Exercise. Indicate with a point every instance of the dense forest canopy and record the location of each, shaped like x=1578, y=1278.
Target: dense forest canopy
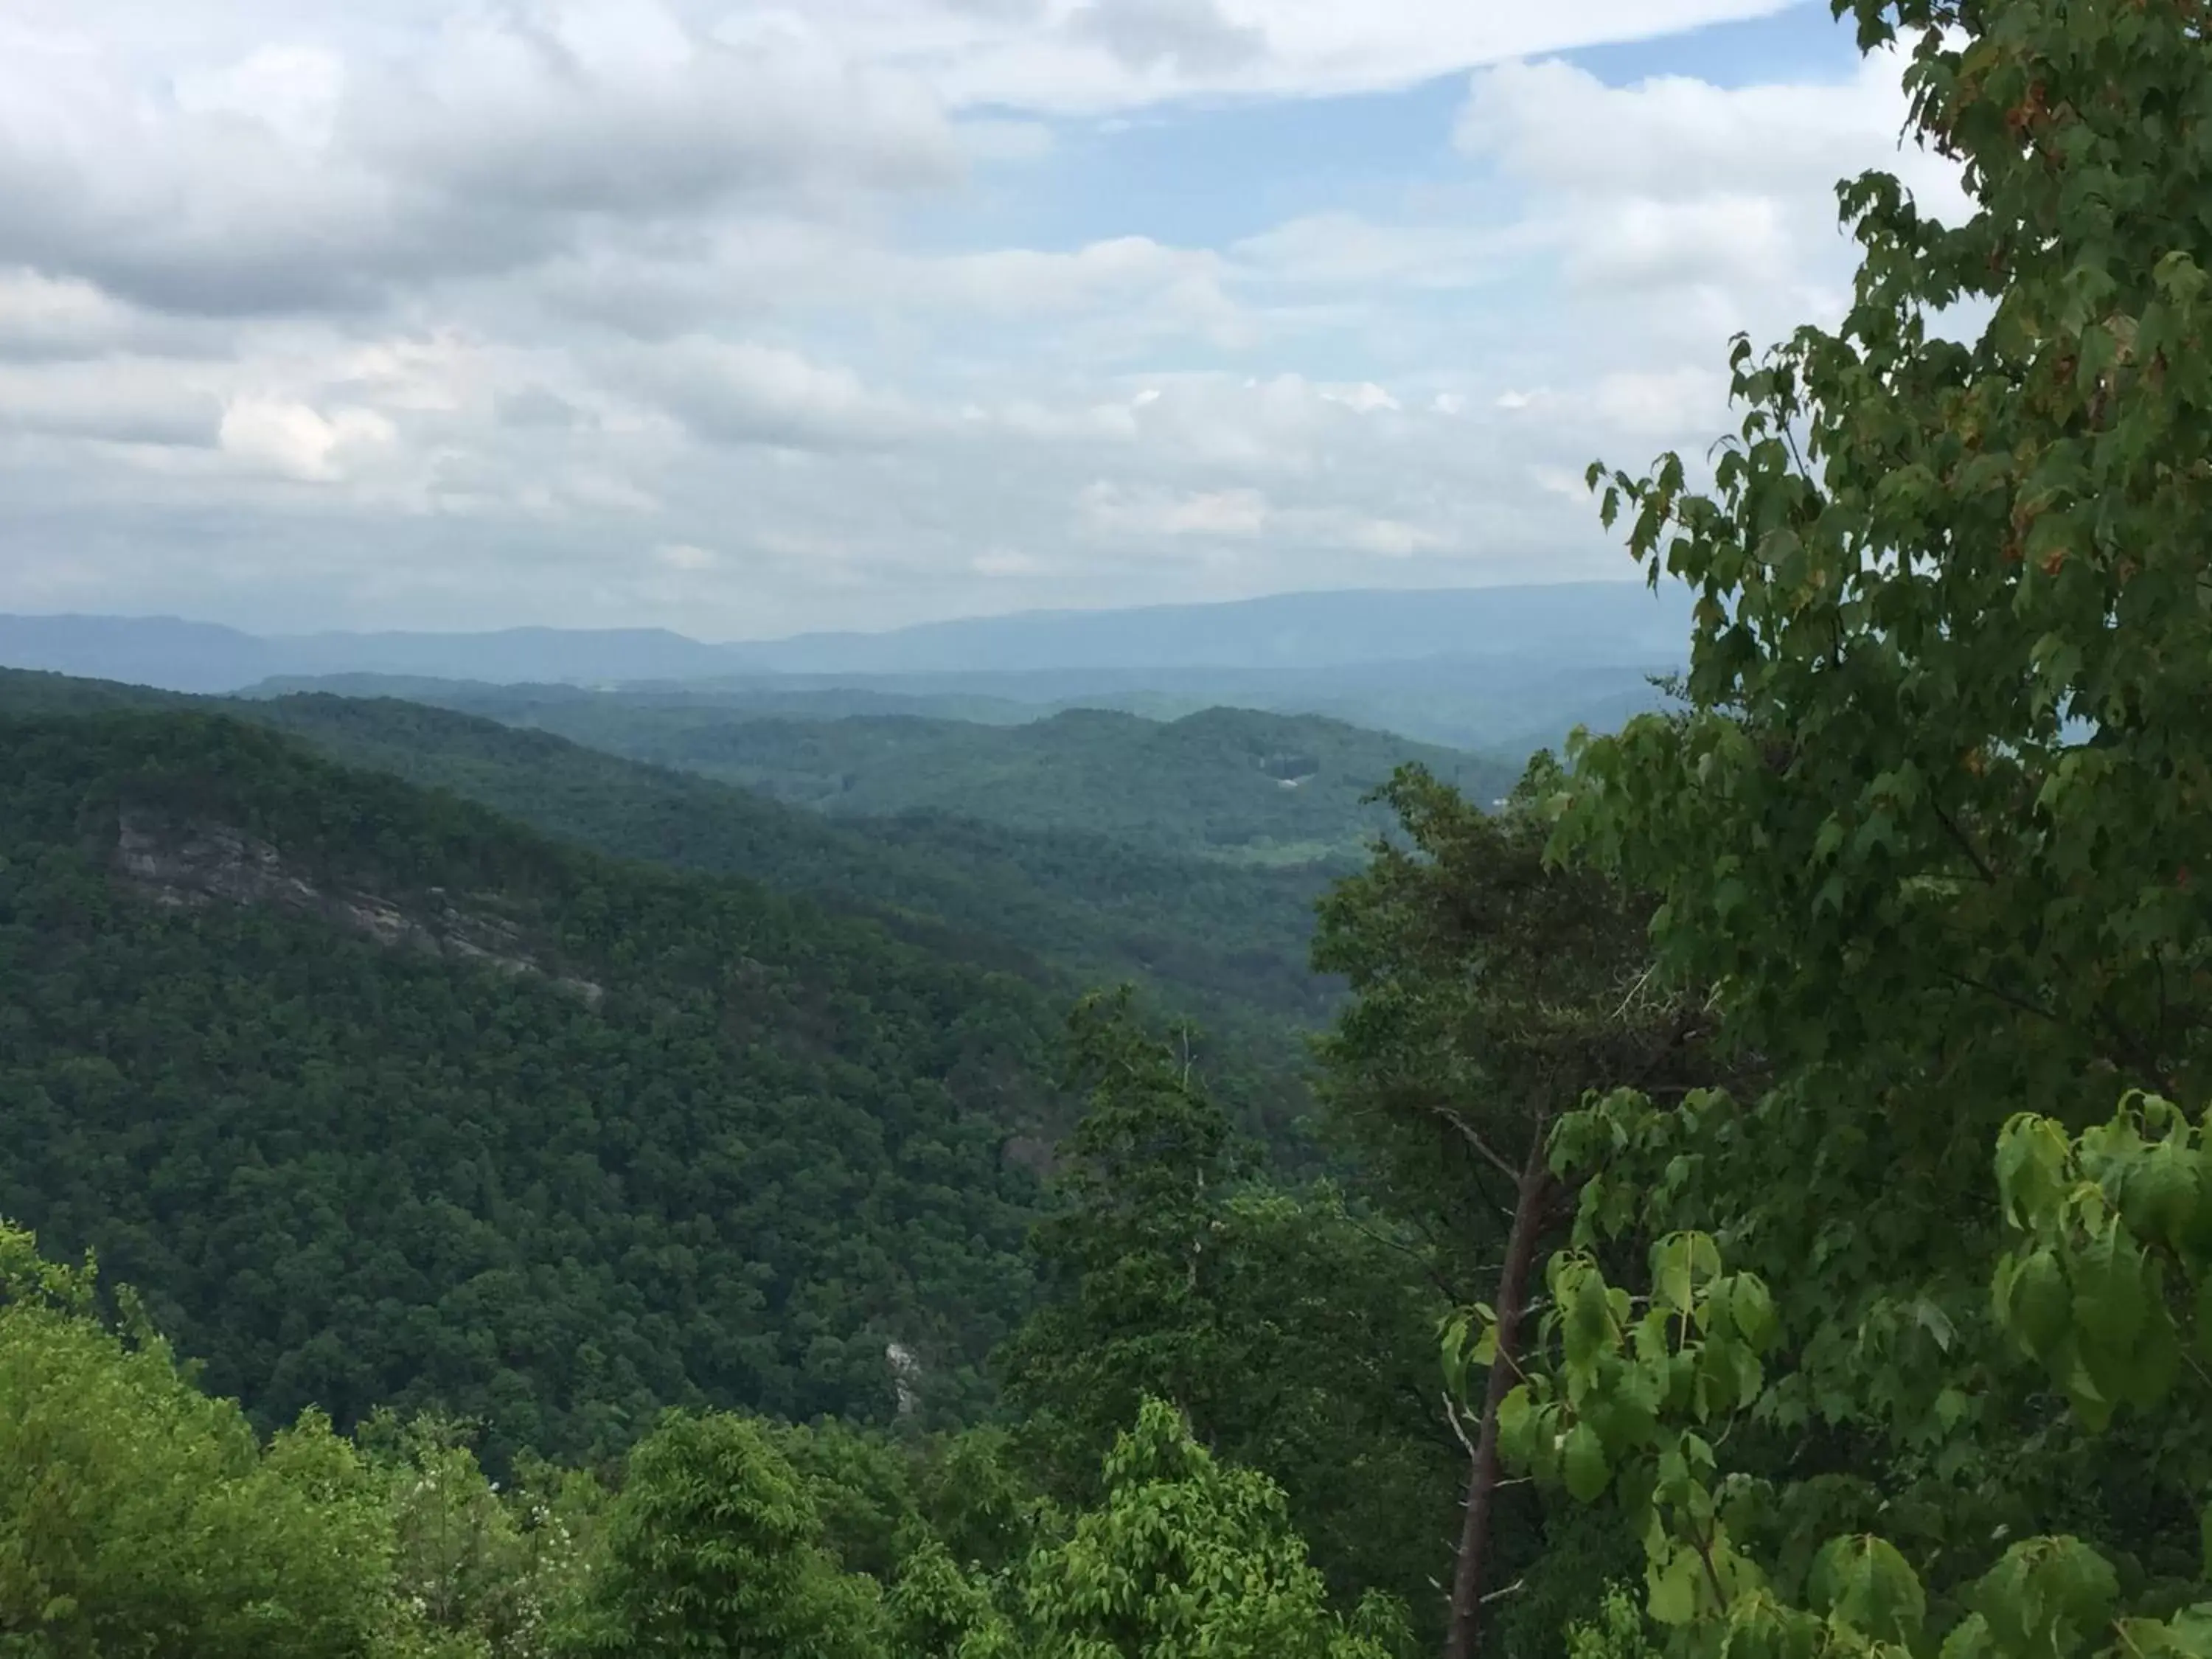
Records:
x=1075, y=908
x=272, y=1048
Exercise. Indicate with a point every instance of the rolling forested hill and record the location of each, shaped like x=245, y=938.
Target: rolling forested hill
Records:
x=748, y=699
x=379, y=1098
x=1227, y=785
x=1225, y=942
x=1505, y=707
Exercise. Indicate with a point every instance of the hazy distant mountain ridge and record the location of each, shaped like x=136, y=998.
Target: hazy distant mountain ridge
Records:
x=1500, y=670
x=1583, y=622
x=1586, y=620
x=165, y=651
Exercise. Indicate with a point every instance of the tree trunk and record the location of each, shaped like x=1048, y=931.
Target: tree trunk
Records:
x=1531, y=1201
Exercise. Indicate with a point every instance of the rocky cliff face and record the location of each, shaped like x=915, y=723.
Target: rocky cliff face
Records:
x=192, y=864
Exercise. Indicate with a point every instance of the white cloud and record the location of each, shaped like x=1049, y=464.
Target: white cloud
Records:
x=67, y=316
x=1393, y=538
x=1120, y=509
x=1027, y=280
x=994, y=141
x=292, y=91
x=1661, y=405
x=1148, y=517
x=1676, y=182
x=620, y=107
x=290, y=178
x=1675, y=137
x=1647, y=243
x=1666, y=215
x=739, y=316
x=1364, y=398
x=1006, y=561
x=293, y=441
x=1345, y=249
x=594, y=491
x=741, y=392
x=109, y=403
x=1100, y=55
x=1558, y=481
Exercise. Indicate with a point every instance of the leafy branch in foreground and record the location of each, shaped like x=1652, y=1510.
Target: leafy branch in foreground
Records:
x=2107, y=1285
x=1934, y=827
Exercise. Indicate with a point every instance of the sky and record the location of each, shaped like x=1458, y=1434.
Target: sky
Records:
x=747, y=318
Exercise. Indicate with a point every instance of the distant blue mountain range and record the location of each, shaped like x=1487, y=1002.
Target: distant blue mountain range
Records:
x=1579, y=622
x=1489, y=667
x=1564, y=624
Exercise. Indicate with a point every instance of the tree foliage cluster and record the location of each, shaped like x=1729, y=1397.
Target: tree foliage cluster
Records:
x=139, y=1515
x=1290, y=1329
x=1895, y=1344
x=360, y=1183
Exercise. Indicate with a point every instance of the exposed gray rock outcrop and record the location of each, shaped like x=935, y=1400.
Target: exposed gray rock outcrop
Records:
x=191, y=864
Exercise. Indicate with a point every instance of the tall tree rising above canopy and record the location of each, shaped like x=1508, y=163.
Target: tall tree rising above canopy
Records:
x=1935, y=828
x=1492, y=990
x=1289, y=1334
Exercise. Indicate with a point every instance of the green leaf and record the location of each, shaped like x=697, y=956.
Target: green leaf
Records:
x=2035, y=1303
x=2111, y=1300
x=2051, y=1596
x=1589, y=1329
x=2159, y=1193
x=2031, y=1156
x=1679, y=1263
x=1584, y=1463
x=1969, y=1638
x=1754, y=1308
x=1864, y=1581
x=2189, y=1632
x=1484, y=1354
x=1673, y=1583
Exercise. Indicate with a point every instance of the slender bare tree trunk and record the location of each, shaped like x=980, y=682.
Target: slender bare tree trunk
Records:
x=1531, y=1202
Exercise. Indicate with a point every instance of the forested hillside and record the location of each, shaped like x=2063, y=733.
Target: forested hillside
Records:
x=1226, y=943
x=379, y=1098
x=1233, y=785
x=772, y=699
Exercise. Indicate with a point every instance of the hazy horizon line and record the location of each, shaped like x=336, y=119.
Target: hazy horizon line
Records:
x=1038, y=611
